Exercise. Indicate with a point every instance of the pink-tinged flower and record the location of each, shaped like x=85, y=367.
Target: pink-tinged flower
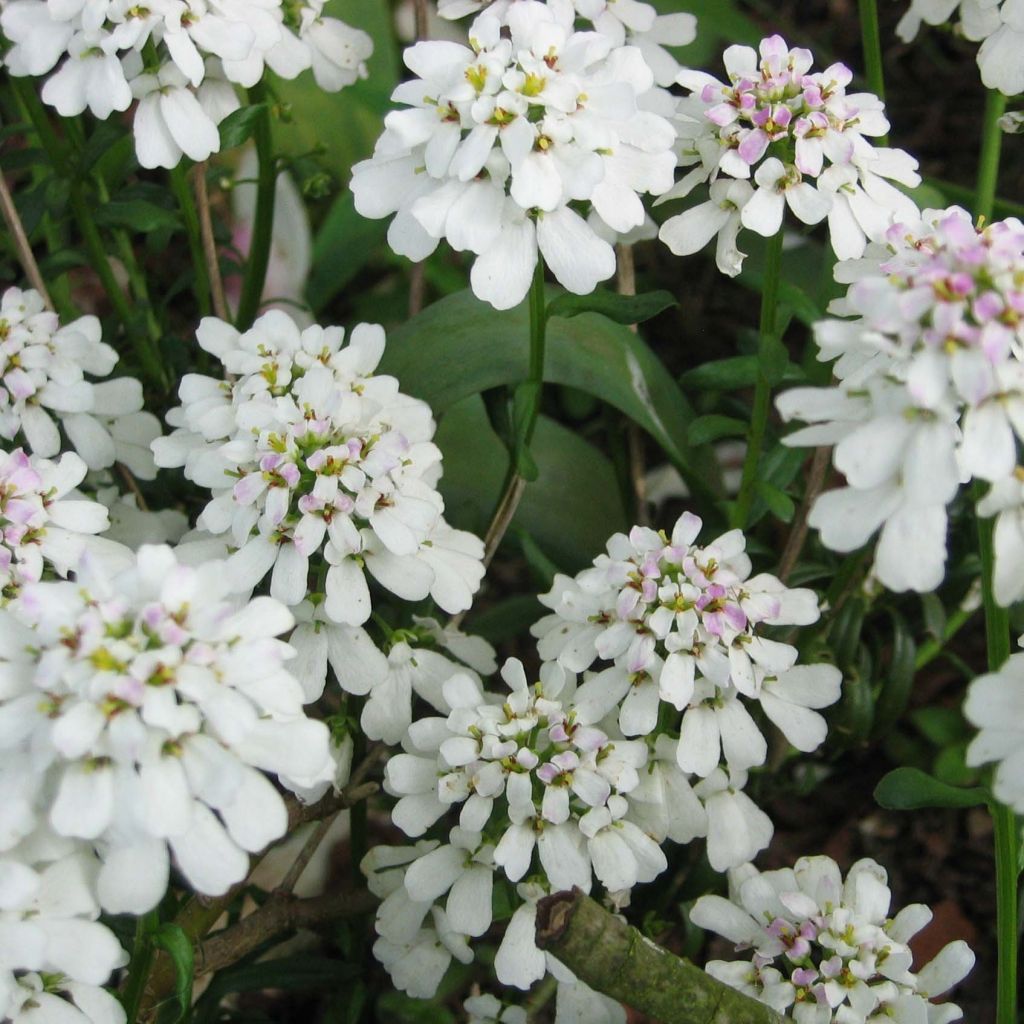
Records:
x=786, y=128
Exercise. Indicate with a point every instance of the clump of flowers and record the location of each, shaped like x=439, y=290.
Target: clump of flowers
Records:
x=661, y=621
x=44, y=388
x=824, y=947
x=931, y=394
x=310, y=455
x=498, y=142
x=778, y=135
x=623, y=21
x=142, y=712
x=997, y=25
x=181, y=61
x=40, y=523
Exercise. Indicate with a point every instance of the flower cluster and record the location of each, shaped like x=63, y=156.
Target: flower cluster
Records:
x=141, y=712
x=54, y=954
x=931, y=394
x=660, y=621
x=306, y=450
x=802, y=139
x=997, y=24
x=825, y=948
x=497, y=140
x=180, y=60
x=44, y=389
x=40, y=523
x=623, y=21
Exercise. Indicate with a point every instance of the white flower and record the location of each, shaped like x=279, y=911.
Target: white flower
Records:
x=825, y=948
x=931, y=394
x=494, y=141
x=991, y=705
x=54, y=953
x=181, y=60
x=44, y=386
x=151, y=705
x=325, y=457
x=486, y=1009
x=43, y=521
x=778, y=123
x=658, y=620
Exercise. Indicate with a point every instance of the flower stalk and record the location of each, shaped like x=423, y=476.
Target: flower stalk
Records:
x=263, y=225
x=871, y=39
x=190, y=216
x=763, y=388
x=988, y=161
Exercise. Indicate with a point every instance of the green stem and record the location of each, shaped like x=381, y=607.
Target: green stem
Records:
x=140, y=965
x=145, y=345
x=988, y=162
x=871, y=39
x=763, y=389
x=538, y=335
x=263, y=225
x=997, y=634
x=190, y=215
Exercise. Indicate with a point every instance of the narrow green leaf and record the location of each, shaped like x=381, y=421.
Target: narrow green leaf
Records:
x=623, y=309
x=237, y=128
x=910, y=789
x=899, y=680
x=705, y=429
x=722, y=375
x=136, y=215
x=779, y=503
x=172, y=939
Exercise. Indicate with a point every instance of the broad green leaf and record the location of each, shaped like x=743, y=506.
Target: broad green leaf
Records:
x=730, y=374
x=938, y=725
x=238, y=127
x=574, y=478
x=623, y=309
x=705, y=429
x=461, y=346
x=172, y=939
x=779, y=503
x=910, y=789
x=343, y=246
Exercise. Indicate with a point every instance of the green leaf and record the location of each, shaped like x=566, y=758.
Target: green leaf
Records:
x=940, y=726
x=899, y=680
x=910, y=789
x=172, y=939
x=461, y=346
x=705, y=429
x=137, y=215
x=402, y=1009
x=623, y=309
x=779, y=503
x=730, y=374
x=343, y=246
x=238, y=127
x=774, y=360
x=573, y=478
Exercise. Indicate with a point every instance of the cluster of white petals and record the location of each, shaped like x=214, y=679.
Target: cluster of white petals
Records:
x=54, y=953
x=623, y=21
x=778, y=135
x=141, y=711
x=825, y=948
x=497, y=141
x=661, y=621
x=44, y=389
x=181, y=59
x=993, y=705
x=309, y=454
x=42, y=521
x=930, y=395
x=997, y=24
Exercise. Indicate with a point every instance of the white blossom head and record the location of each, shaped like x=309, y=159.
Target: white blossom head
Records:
x=824, y=948
x=311, y=455
x=45, y=388
x=181, y=63
x=146, y=711
x=931, y=394
x=779, y=135
x=495, y=140
x=992, y=705
x=659, y=620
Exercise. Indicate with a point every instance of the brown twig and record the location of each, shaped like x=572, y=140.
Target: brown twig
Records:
x=422, y=15
x=608, y=955
x=309, y=848
x=133, y=485
x=798, y=533
x=220, y=304
x=299, y=814
x=282, y=913
x=26, y=257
